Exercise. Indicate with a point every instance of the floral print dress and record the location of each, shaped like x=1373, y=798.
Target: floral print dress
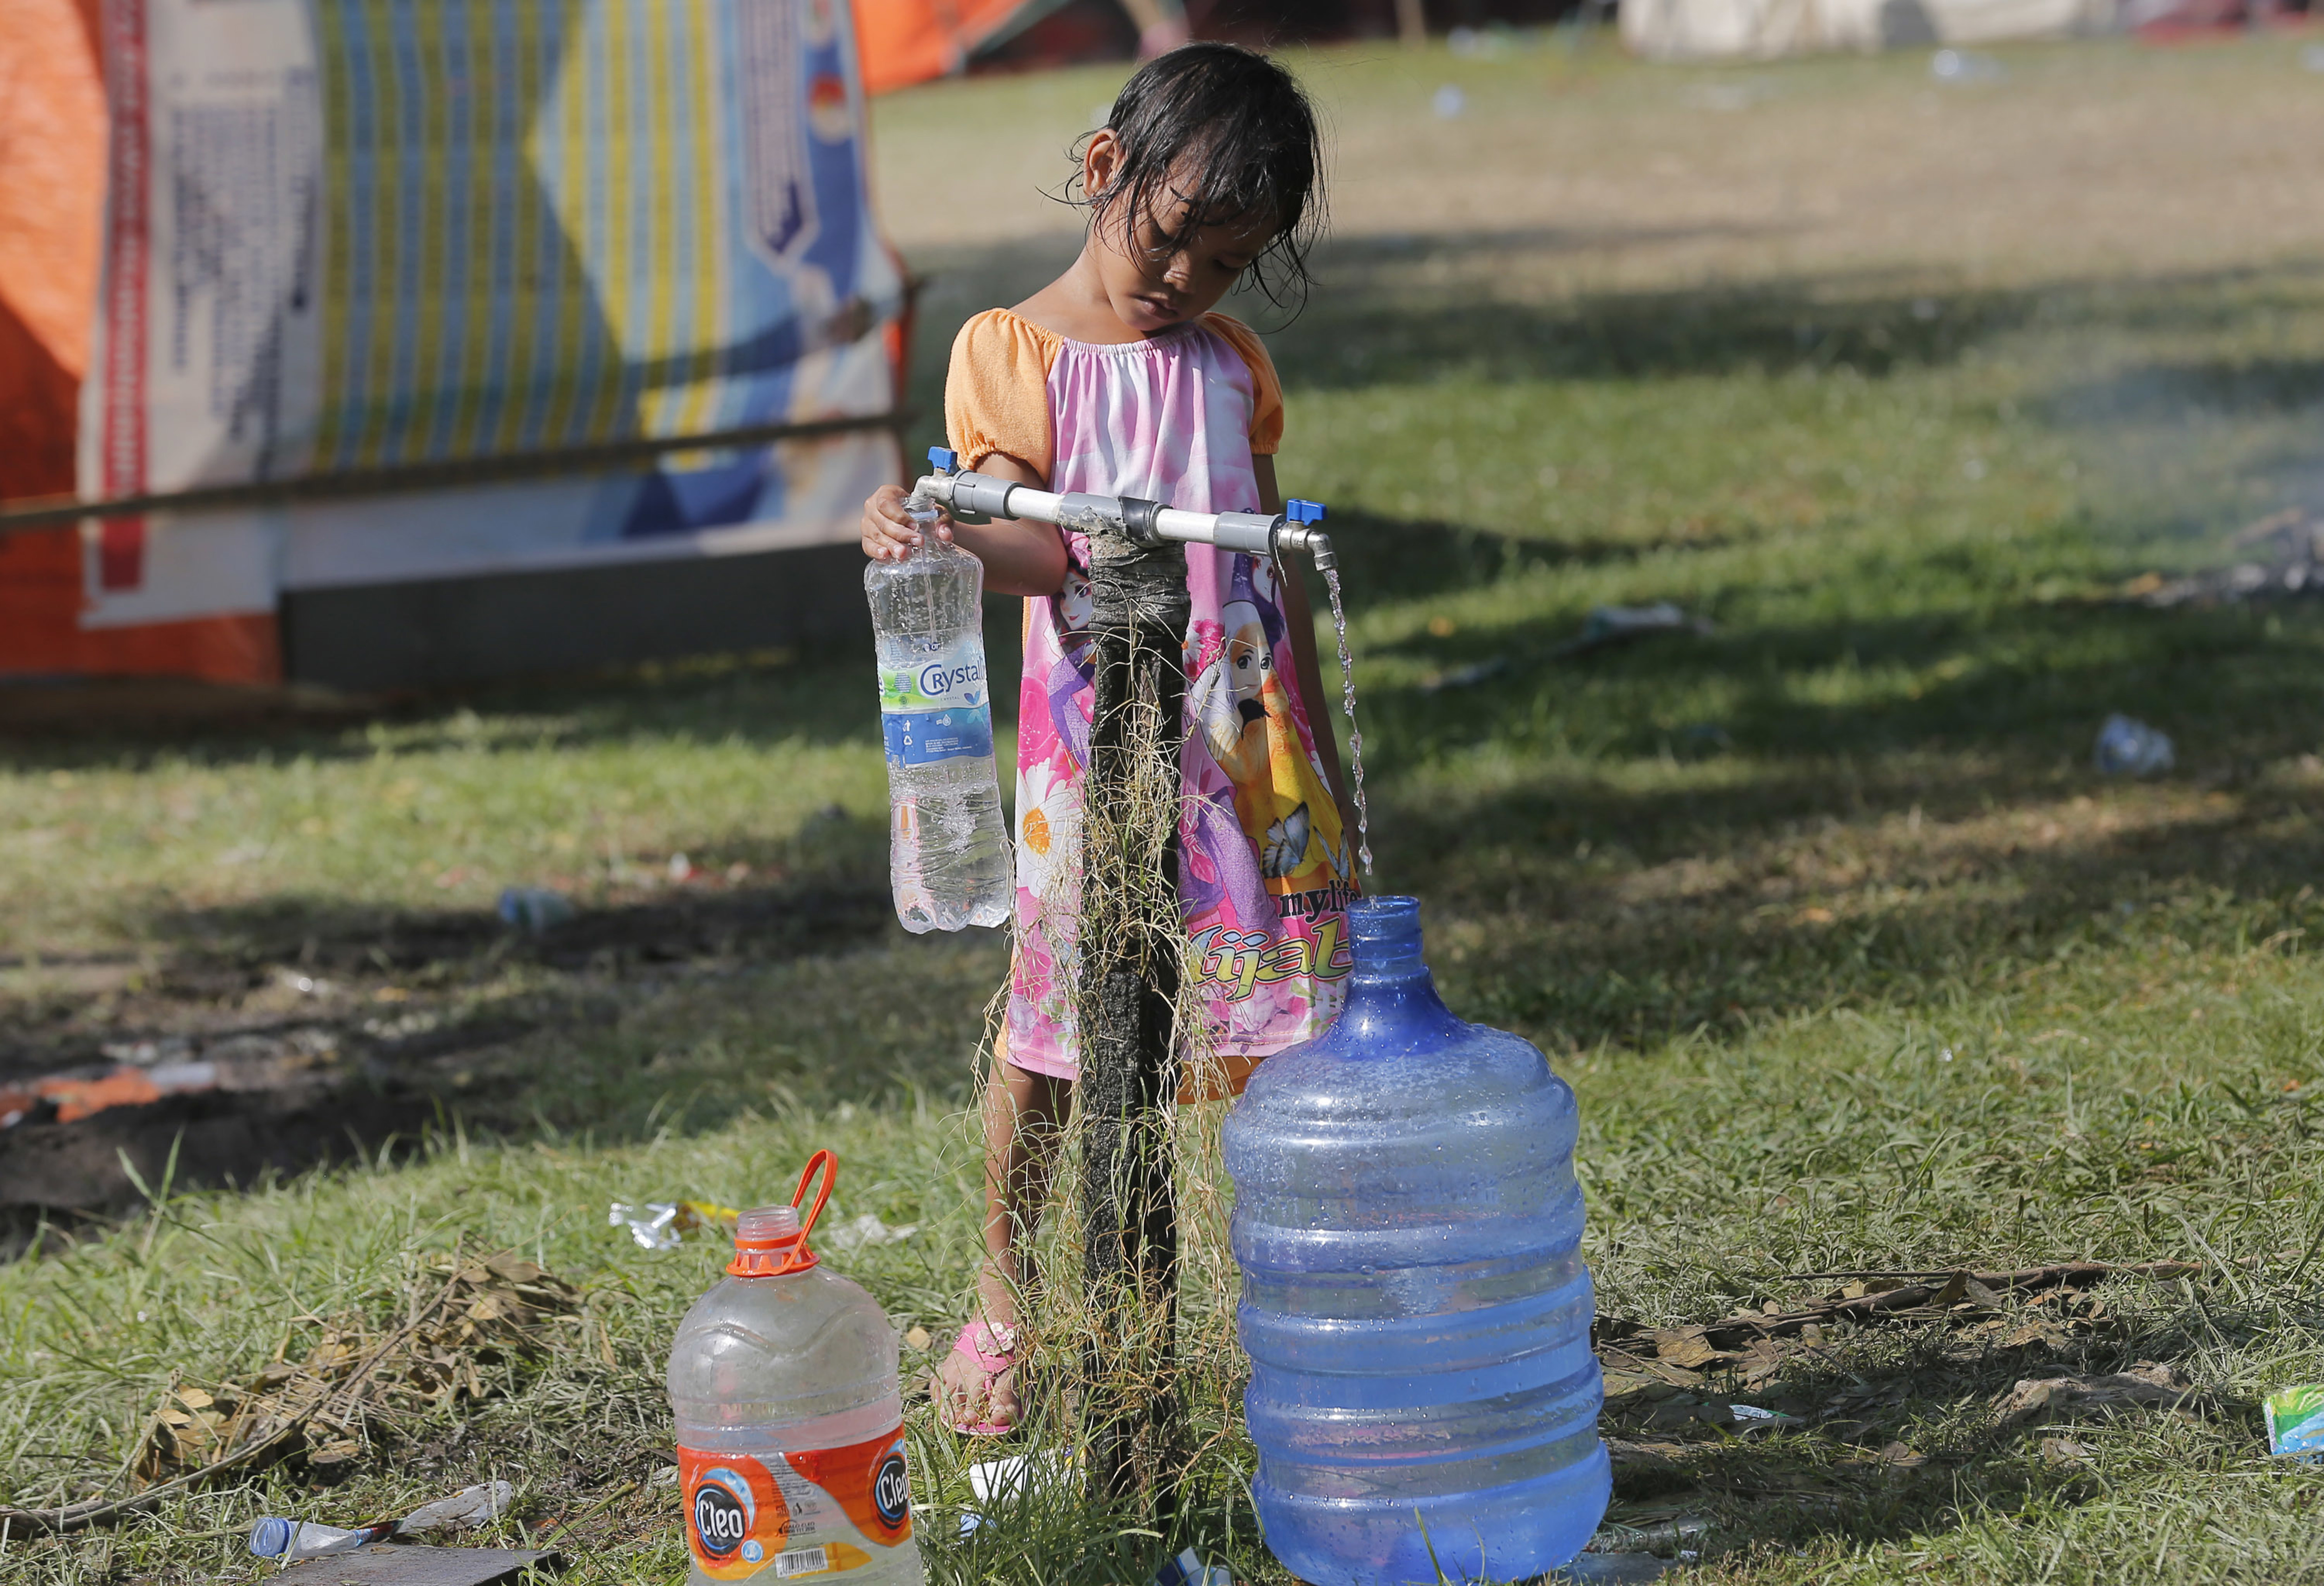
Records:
x=1264, y=871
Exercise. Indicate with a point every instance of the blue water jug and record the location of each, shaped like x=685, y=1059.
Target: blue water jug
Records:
x=1414, y=1300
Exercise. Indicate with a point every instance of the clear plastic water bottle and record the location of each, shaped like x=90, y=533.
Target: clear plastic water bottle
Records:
x=293, y=1541
x=790, y=1424
x=1415, y=1304
x=948, y=848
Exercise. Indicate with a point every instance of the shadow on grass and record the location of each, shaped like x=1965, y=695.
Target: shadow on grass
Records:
x=1398, y=310
x=2022, y=688
x=1893, y=1433
x=1577, y=957
x=2168, y=391
x=684, y=925
x=1926, y=820
x=1404, y=311
x=340, y=1034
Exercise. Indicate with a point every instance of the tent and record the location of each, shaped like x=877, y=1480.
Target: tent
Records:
x=907, y=41
x=435, y=341
x=1715, y=30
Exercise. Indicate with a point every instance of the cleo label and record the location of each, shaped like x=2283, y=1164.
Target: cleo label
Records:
x=818, y=1512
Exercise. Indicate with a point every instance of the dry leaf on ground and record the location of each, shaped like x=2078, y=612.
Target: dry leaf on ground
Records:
x=1756, y=1343
x=471, y=1315
x=2147, y=1384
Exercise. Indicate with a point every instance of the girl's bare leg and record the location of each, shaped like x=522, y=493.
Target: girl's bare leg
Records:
x=1023, y=1110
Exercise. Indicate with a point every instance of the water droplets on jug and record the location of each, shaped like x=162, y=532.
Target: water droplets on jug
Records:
x=1355, y=734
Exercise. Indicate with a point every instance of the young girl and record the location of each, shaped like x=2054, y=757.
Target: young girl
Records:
x=1116, y=379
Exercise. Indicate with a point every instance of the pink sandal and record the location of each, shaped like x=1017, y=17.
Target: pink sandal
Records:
x=994, y=1350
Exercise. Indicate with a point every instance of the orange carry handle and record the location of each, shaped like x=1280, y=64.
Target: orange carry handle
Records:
x=778, y=1258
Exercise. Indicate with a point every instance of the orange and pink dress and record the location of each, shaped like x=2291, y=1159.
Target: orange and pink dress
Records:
x=1265, y=874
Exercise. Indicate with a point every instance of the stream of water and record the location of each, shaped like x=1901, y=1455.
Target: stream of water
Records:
x=1355, y=734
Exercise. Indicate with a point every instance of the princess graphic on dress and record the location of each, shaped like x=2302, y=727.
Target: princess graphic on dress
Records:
x=1239, y=702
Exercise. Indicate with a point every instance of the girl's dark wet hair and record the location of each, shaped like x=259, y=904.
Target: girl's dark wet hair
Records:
x=1231, y=132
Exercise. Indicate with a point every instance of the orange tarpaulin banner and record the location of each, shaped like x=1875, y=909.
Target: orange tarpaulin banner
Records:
x=907, y=41
x=52, y=122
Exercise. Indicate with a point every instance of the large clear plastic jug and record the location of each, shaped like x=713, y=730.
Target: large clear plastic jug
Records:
x=790, y=1427
x=1415, y=1305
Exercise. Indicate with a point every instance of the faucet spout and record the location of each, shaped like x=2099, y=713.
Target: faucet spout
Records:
x=1314, y=541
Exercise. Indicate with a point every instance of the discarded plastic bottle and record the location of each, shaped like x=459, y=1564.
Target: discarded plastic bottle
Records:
x=1414, y=1300
x=534, y=910
x=293, y=1541
x=2128, y=747
x=790, y=1424
x=949, y=858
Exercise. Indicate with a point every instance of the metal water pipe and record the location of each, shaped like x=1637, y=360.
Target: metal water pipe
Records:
x=974, y=498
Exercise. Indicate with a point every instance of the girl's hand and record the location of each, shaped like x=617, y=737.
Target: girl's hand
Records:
x=889, y=535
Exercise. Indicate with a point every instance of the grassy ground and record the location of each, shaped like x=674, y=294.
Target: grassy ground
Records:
x=1854, y=961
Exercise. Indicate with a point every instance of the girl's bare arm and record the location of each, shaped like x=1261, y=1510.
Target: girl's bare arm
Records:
x=1019, y=559
x=1301, y=621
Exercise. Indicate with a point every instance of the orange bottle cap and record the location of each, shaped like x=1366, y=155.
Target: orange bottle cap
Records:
x=771, y=1242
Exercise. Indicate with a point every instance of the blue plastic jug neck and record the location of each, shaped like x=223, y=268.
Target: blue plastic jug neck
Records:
x=1391, y=995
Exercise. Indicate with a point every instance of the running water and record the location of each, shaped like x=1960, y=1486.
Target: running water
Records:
x=1347, y=704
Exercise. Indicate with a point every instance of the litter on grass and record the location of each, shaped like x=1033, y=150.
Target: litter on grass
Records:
x=535, y=909
x=292, y=1540
x=1609, y=1569
x=994, y=1484
x=1664, y=1538
x=2280, y=556
x=80, y=1094
x=1189, y=1570
x=276, y=1536
x=1965, y=66
x=1467, y=676
x=660, y=1225
x=467, y=1509
x=2295, y=1423
x=1619, y=624
x=864, y=1231
x=2127, y=747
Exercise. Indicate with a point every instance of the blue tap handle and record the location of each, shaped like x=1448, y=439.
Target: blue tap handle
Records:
x=1303, y=511
x=942, y=459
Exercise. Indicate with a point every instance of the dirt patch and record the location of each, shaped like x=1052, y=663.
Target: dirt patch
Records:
x=321, y=1039
x=90, y=1169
